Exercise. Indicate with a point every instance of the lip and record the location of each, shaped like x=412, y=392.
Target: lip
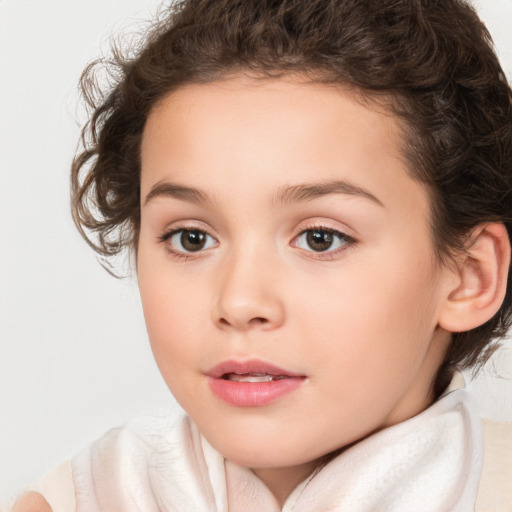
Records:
x=252, y=394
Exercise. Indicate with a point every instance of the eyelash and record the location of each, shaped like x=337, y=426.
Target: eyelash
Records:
x=328, y=254
x=166, y=237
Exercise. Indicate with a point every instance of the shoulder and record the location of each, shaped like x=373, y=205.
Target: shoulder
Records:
x=495, y=491
x=134, y=445
x=155, y=459
x=53, y=493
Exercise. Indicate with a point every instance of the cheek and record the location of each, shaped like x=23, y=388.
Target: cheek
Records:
x=169, y=305
x=172, y=338
x=168, y=316
x=376, y=316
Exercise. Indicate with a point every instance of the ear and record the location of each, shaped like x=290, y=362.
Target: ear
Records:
x=479, y=282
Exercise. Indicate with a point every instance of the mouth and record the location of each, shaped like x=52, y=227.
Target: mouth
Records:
x=252, y=377
x=252, y=383
x=251, y=368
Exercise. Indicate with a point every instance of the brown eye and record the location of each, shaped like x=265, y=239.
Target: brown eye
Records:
x=193, y=240
x=319, y=240
x=189, y=240
x=322, y=240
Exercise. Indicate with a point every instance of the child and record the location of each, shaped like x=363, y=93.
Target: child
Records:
x=318, y=199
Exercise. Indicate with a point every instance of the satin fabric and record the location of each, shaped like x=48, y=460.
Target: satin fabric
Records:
x=431, y=463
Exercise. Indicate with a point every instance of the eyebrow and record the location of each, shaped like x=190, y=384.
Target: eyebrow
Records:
x=285, y=195
x=309, y=191
x=168, y=189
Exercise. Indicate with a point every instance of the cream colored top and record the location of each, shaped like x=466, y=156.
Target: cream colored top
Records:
x=495, y=490
x=428, y=463
x=494, y=493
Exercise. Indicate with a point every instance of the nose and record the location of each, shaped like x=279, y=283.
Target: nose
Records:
x=248, y=294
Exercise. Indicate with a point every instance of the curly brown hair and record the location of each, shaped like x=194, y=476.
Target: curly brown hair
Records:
x=431, y=61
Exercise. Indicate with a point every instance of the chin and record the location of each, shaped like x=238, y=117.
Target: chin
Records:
x=262, y=452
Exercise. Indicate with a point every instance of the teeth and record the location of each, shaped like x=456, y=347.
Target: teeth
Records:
x=252, y=377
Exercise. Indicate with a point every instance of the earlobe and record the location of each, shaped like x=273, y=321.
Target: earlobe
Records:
x=481, y=280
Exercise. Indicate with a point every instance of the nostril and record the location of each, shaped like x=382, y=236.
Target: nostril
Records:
x=258, y=320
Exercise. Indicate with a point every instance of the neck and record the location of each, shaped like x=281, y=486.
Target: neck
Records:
x=282, y=481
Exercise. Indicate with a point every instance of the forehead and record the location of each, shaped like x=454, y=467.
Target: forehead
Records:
x=243, y=106
x=229, y=134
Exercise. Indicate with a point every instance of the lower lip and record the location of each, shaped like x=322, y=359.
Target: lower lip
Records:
x=253, y=394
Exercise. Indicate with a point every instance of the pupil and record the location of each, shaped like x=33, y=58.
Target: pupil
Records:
x=319, y=240
x=193, y=240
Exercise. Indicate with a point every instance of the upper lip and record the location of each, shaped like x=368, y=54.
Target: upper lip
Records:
x=248, y=366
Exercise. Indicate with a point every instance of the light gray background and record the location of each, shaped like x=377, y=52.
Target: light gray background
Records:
x=74, y=354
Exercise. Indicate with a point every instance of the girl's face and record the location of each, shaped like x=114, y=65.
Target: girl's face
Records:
x=286, y=268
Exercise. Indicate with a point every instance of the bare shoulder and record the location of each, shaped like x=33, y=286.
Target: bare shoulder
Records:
x=32, y=502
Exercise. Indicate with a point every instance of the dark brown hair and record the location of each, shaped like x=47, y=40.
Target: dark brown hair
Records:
x=433, y=58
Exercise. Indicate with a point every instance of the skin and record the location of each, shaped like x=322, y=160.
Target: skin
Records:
x=243, y=155
x=32, y=502
x=360, y=321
